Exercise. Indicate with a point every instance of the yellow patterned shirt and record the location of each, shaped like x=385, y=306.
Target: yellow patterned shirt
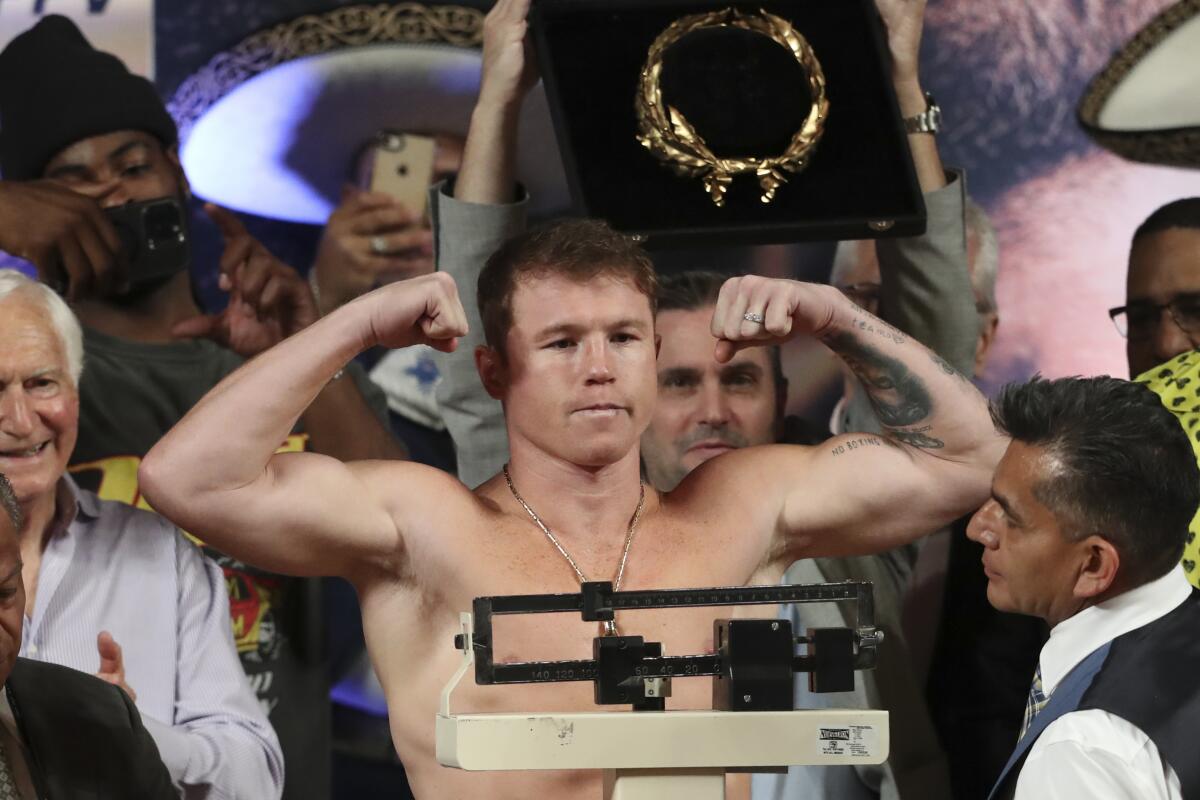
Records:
x=1177, y=383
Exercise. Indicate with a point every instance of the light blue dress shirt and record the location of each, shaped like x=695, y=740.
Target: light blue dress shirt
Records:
x=108, y=566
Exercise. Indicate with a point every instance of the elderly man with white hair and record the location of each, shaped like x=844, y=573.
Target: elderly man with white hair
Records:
x=99, y=573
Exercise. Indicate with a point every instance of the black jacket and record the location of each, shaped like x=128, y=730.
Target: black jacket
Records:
x=84, y=737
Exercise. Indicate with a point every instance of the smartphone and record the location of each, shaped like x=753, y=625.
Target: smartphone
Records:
x=401, y=165
x=155, y=244
x=154, y=238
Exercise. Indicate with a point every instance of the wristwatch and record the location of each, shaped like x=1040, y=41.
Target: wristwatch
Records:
x=928, y=121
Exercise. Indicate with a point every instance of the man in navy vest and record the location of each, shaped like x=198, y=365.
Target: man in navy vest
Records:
x=1086, y=523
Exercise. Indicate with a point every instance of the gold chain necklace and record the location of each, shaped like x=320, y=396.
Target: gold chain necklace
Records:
x=608, y=627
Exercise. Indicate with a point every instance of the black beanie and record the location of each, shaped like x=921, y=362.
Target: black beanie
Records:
x=56, y=89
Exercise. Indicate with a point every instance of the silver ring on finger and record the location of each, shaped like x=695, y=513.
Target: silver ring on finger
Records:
x=751, y=316
x=379, y=245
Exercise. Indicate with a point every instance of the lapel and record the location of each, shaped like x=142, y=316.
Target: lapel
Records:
x=1064, y=700
x=31, y=756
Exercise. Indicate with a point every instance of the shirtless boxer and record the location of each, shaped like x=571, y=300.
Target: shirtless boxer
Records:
x=574, y=366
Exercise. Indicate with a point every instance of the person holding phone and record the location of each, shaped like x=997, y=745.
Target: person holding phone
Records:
x=81, y=134
x=380, y=231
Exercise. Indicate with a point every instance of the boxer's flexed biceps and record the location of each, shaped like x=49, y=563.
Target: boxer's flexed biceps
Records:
x=422, y=310
x=754, y=311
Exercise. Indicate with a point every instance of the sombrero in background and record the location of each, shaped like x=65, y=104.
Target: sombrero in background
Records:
x=272, y=125
x=1145, y=104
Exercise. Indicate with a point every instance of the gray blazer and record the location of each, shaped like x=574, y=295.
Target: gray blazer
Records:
x=464, y=236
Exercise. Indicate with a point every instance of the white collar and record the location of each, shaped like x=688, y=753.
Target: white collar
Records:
x=1074, y=639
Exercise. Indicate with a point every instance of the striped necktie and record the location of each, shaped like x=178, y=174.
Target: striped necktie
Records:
x=1036, y=701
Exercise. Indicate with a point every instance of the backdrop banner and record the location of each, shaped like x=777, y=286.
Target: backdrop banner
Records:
x=122, y=27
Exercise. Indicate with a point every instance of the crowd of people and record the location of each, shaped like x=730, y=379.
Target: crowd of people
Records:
x=174, y=480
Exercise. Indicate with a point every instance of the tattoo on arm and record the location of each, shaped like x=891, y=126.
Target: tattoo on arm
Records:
x=900, y=399
x=880, y=328
x=855, y=444
x=918, y=438
x=946, y=367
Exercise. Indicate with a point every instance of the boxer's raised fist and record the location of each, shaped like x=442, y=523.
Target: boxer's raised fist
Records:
x=422, y=310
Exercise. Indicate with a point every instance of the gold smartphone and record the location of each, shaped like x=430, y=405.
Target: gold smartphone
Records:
x=401, y=165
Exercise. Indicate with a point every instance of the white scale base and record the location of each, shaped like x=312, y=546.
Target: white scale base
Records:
x=656, y=755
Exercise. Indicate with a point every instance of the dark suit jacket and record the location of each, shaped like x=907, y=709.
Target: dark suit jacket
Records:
x=85, y=737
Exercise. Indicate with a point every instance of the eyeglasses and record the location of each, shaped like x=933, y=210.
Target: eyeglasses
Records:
x=1141, y=319
x=864, y=295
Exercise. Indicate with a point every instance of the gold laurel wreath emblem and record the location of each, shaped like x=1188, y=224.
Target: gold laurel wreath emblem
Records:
x=667, y=134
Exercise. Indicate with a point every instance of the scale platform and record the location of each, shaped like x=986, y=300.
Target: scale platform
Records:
x=725, y=740
x=651, y=753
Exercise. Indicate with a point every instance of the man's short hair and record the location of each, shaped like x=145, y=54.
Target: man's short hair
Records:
x=578, y=249
x=1183, y=213
x=1123, y=466
x=62, y=319
x=691, y=290
x=982, y=270
x=8, y=501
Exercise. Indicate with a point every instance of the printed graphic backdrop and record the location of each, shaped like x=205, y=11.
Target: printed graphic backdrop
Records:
x=124, y=27
x=1007, y=75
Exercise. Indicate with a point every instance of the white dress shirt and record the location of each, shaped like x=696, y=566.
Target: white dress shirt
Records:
x=1093, y=753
